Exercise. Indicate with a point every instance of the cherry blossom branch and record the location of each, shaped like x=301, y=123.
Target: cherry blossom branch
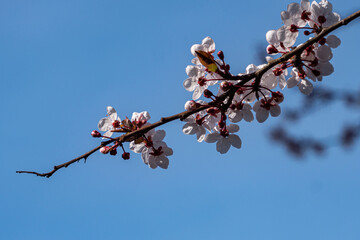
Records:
x=228, y=95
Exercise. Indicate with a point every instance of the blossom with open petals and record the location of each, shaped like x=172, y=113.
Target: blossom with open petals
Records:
x=263, y=108
x=225, y=140
x=109, y=123
x=153, y=149
x=304, y=85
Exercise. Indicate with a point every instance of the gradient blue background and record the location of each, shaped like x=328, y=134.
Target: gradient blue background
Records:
x=63, y=62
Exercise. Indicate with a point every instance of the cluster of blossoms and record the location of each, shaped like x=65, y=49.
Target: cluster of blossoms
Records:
x=150, y=145
x=244, y=95
x=247, y=96
x=313, y=63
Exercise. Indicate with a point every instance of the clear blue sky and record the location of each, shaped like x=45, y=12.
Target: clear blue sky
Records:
x=63, y=62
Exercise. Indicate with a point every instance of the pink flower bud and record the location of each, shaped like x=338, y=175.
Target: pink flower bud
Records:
x=190, y=105
x=125, y=155
x=104, y=149
x=95, y=134
x=271, y=49
x=227, y=68
x=221, y=55
x=113, y=152
x=225, y=85
x=116, y=124
x=322, y=41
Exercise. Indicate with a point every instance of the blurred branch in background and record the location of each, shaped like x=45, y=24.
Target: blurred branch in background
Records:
x=297, y=144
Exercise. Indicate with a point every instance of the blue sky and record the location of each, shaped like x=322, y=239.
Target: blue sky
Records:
x=63, y=62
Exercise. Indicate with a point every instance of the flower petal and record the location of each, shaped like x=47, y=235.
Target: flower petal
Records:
x=261, y=115
x=305, y=87
x=275, y=110
x=232, y=128
x=162, y=161
x=235, y=140
x=190, y=84
x=152, y=162
x=190, y=128
x=324, y=53
x=248, y=114
x=209, y=44
x=223, y=145
x=136, y=148
x=104, y=124
x=108, y=134
x=159, y=135
x=333, y=41
x=212, y=137
x=197, y=92
x=235, y=116
x=200, y=135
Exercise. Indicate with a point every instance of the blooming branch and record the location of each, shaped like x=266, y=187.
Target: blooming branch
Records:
x=236, y=93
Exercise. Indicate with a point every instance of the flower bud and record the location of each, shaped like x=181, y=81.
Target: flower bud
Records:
x=95, y=134
x=322, y=41
x=306, y=33
x=221, y=55
x=113, y=152
x=271, y=49
x=104, y=149
x=116, y=124
x=225, y=85
x=190, y=105
x=126, y=155
x=227, y=68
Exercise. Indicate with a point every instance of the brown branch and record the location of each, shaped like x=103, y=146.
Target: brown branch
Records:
x=183, y=115
x=49, y=174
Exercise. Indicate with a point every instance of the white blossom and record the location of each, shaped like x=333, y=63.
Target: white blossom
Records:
x=304, y=85
x=207, y=45
x=240, y=112
x=225, y=140
x=153, y=149
x=322, y=13
x=109, y=123
x=263, y=108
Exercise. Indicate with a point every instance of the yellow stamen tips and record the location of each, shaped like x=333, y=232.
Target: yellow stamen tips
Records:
x=207, y=61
